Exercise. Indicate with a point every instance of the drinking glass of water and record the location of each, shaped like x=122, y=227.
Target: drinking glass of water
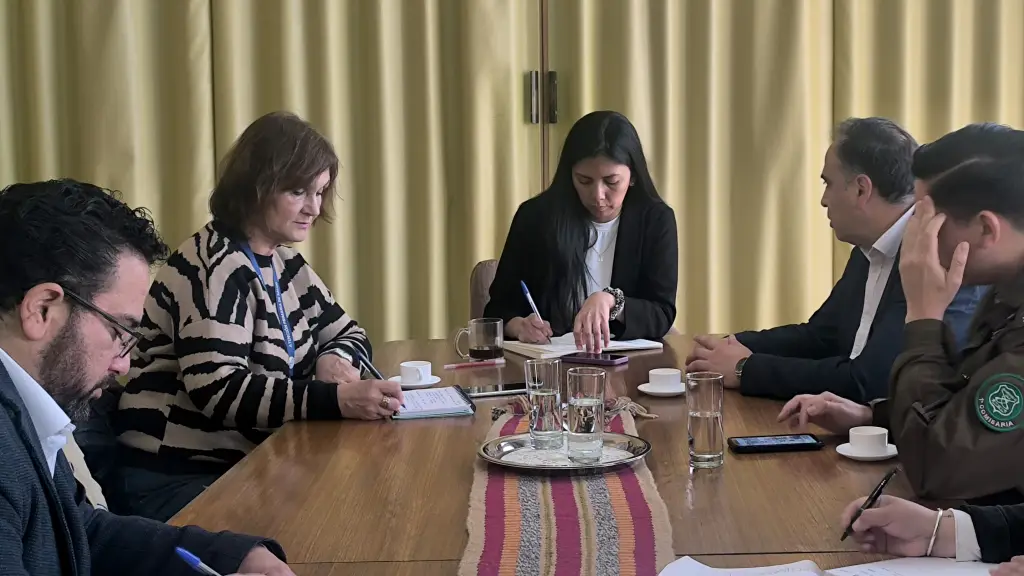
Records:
x=704, y=393
x=543, y=391
x=586, y=414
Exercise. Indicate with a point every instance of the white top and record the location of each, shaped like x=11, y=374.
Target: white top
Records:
x=881, y=257
x=601, y=256
x=51, y=423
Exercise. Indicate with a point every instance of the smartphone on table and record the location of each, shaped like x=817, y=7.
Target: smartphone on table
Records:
x=602, y=359
x=774, y=443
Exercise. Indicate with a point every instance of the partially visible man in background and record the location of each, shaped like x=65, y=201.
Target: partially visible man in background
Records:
x=75, y=264
x=848, y=346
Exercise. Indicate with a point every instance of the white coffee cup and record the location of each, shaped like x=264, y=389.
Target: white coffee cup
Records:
x=667, y=379
x=415, y=371
x=869, y=440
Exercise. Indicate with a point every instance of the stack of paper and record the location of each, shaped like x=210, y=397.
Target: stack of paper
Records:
x=566, y=344
x=901, y=567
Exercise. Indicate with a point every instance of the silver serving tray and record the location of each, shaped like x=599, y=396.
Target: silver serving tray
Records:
x=516, y=451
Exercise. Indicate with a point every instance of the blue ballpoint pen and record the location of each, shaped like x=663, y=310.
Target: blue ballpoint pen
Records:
x=526, y=292
x=529, y=298
x=195, y=562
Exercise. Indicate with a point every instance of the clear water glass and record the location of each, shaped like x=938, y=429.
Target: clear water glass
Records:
x=544, y=392
x=704, y=394
x=586, y=414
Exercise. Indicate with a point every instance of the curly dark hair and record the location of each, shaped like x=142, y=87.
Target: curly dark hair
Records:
x=71, y=233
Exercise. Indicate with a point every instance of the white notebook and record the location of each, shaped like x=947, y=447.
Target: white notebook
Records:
x=435, y=403
x=687, y=566
x=566, y=344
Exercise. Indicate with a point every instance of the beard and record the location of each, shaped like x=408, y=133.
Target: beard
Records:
x=63, y=373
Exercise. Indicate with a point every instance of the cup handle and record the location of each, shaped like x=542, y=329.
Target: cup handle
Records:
x=458, y=335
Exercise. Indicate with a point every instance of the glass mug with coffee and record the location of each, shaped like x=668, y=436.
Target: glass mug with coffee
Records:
x=485, y=336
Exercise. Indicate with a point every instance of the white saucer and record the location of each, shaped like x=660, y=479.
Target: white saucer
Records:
x=425, y=384
x=646, y=389
x=844, y=449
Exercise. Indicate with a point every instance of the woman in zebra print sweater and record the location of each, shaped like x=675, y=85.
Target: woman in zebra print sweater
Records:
x=214, y=372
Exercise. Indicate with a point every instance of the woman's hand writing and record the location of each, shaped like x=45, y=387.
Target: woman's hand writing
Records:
x=531, y=329
x=370, y=399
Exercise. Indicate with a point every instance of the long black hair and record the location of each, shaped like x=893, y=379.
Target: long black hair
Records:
x=598, y=134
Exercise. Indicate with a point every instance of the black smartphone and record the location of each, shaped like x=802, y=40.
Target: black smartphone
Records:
x=774, y=443
x=510, y=389
x=602, y=359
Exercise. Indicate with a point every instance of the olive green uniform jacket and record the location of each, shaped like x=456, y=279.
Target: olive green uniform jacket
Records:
x=957, y=418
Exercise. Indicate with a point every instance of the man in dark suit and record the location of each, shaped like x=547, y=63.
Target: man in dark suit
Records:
x=76, y=265
x=848, y=346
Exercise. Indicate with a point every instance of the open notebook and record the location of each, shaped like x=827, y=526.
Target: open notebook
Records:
x=901, y=567
x=435, y=403
x=566, y=344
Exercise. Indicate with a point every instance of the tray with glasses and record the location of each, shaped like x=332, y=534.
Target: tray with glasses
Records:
x=518, y=451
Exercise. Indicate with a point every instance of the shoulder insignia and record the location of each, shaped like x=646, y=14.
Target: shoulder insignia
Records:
x=1000, y=401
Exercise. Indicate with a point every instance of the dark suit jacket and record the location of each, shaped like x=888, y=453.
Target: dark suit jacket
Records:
x=1000, y=531
x=814, y=357
x=47, y=528
x=645, y=268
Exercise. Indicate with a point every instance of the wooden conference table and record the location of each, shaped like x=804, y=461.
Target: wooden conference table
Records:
x=391, y=497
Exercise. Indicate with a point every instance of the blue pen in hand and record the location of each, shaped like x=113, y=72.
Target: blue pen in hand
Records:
x=195, y=562
x=529, y=298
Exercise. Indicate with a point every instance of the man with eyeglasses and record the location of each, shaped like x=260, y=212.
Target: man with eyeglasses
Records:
x=75, y=265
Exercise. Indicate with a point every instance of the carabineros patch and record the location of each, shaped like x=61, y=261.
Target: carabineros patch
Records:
x=1000, y=401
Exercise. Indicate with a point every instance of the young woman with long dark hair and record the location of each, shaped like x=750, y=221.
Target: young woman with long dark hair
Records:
x=597, y=249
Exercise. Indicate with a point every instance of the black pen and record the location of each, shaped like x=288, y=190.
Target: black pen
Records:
x=875, y=494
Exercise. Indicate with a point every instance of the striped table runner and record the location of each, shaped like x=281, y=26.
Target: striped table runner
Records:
x=604, y=524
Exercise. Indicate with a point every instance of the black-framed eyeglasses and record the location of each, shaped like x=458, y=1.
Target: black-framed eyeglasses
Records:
x=128, y=337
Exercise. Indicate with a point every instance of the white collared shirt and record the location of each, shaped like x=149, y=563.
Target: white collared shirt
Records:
x=51, y=423
x=600, y=257
x=881, y=257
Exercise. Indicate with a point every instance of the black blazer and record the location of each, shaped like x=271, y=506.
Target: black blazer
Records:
x=645, y=268
x=1000, y=531
x=47, y=528
x=814, y=357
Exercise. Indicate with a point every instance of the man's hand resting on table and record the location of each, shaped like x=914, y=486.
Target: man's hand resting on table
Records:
x=831, y=412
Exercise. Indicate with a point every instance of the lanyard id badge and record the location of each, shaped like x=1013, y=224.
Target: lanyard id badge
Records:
x=286, y=327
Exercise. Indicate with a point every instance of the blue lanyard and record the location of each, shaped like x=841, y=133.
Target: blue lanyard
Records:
x=286, y=328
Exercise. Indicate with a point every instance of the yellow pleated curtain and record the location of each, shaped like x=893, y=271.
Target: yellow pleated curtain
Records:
x=425, y=101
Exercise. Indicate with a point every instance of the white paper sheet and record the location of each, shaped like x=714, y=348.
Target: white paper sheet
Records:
x=566, y=344
x=687, y=566
x=916, y=567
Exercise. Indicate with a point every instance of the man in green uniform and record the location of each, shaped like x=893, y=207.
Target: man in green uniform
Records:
x=955, y=417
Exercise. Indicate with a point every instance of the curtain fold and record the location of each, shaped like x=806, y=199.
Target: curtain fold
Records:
x=424, y=101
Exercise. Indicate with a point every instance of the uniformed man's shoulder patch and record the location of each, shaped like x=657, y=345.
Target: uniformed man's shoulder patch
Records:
x=1000, y=401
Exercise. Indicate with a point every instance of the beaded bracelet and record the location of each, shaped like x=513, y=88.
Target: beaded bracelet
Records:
x=935, y=532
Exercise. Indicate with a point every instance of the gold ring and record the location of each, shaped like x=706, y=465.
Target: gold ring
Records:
x=385, y=402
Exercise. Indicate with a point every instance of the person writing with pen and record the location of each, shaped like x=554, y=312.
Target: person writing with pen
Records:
x=240, y=335
x=990, y=534
x=597, y=250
